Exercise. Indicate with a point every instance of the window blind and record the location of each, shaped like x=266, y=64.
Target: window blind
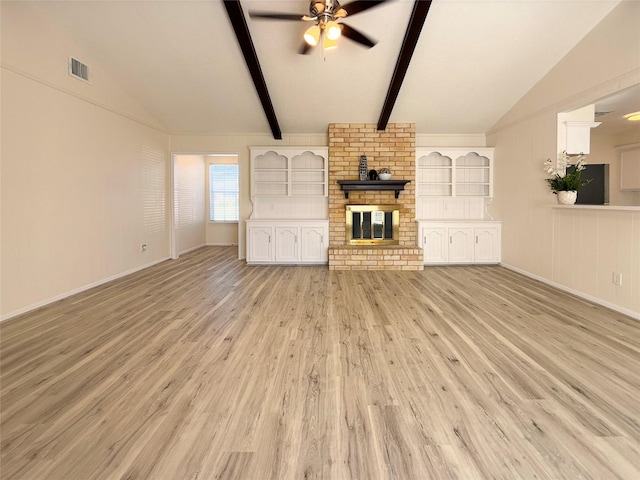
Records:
x=223, y=193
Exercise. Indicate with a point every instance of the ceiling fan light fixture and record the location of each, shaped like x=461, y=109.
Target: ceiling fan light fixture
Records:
x=312, y=35
x=329, y=43
x=333, y=30
x=633, y=117
x=325, y=16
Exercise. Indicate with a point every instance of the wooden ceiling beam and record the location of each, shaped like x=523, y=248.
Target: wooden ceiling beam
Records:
x=418, y=16
x=239, y=24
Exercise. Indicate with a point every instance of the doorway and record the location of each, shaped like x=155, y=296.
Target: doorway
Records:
x=203, y=186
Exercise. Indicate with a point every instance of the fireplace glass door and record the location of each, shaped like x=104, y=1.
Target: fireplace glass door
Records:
x=372, y=224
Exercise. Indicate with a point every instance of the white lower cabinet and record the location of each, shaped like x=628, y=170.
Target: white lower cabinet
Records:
x=286, y=244
x=314, y=247
x=287, y=241
x=435, y=244
x=460, y=242
x=260, y=244
x=487, y=244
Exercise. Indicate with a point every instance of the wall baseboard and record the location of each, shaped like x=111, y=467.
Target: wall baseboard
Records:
x=577, y=293
x=214, y=244
x=191, y=249
x=69, y=293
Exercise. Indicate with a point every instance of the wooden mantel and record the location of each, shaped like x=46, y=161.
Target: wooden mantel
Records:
x=395, y=185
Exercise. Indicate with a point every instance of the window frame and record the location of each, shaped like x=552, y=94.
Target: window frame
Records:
x=211, y=191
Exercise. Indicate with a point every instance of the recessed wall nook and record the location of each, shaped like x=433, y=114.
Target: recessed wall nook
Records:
x=289, y=195
x=454, y=190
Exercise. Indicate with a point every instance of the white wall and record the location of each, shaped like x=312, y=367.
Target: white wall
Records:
x=189, y=201
x=451, y=140
x=85, y=171
x=574, y=248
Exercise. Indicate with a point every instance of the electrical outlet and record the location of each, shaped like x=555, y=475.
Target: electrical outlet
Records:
x=143, y=247
x=617, y=278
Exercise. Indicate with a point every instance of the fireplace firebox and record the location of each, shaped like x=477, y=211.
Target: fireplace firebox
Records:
x=372, y=224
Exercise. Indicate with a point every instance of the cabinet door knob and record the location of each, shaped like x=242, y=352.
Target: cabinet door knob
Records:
x=476, y=238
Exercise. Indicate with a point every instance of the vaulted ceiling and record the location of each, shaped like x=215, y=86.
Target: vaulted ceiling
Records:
x=473, y=61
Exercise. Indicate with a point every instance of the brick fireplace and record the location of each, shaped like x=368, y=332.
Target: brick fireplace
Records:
x=393, y=148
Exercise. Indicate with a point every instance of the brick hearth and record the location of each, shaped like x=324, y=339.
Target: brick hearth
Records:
x=393, y=148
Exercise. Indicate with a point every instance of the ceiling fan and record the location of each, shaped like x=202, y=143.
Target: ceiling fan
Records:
x=326, y=28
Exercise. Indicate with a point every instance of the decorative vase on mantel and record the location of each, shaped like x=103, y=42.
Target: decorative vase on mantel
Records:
x=363, y=170
x=567, y=197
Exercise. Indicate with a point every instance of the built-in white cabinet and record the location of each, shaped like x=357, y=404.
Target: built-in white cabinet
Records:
x=630, y=167
x=314, y=243
x=260, y=243
x=453, y=183
x=460, y=242
x=487, y=247
x=288, y=241
x=434, y=241
x=289, y=192
x=454, y=172
x=289, y=171
x=454, y=187
x=578, y=136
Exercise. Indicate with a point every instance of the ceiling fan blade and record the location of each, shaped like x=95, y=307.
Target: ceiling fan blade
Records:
x=305, y=48
x=360, y=5
x=353, y=34
x=278, y=16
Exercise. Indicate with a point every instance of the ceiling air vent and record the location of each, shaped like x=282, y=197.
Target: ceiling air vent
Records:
x=78, y=69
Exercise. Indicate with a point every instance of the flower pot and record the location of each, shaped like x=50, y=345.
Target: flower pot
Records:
x=567, y=197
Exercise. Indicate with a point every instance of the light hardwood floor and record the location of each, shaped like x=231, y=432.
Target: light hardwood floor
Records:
x=205, y=368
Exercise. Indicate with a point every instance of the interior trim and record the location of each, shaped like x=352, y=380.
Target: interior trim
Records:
x=577, y=293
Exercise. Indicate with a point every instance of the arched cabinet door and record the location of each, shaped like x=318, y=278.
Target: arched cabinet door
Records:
x=314, y=247
x=461, y=245
x=435, y=244
x=287, y=244
x=487, y=244
x=260, y=244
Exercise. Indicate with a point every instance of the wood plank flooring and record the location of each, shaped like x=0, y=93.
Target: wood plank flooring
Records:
x=205, y=368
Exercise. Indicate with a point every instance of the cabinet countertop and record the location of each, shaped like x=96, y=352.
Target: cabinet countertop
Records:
x=285, y=220
x=631, y=208
x=460, y=220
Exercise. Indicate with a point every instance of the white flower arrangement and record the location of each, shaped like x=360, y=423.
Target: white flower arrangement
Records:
x=563, y=181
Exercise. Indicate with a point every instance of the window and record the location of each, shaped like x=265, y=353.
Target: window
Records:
x=223, y=193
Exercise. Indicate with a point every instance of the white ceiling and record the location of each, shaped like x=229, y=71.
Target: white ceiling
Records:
x=474, y=60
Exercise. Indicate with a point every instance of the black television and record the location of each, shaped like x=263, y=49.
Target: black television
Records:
x=596, y=192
